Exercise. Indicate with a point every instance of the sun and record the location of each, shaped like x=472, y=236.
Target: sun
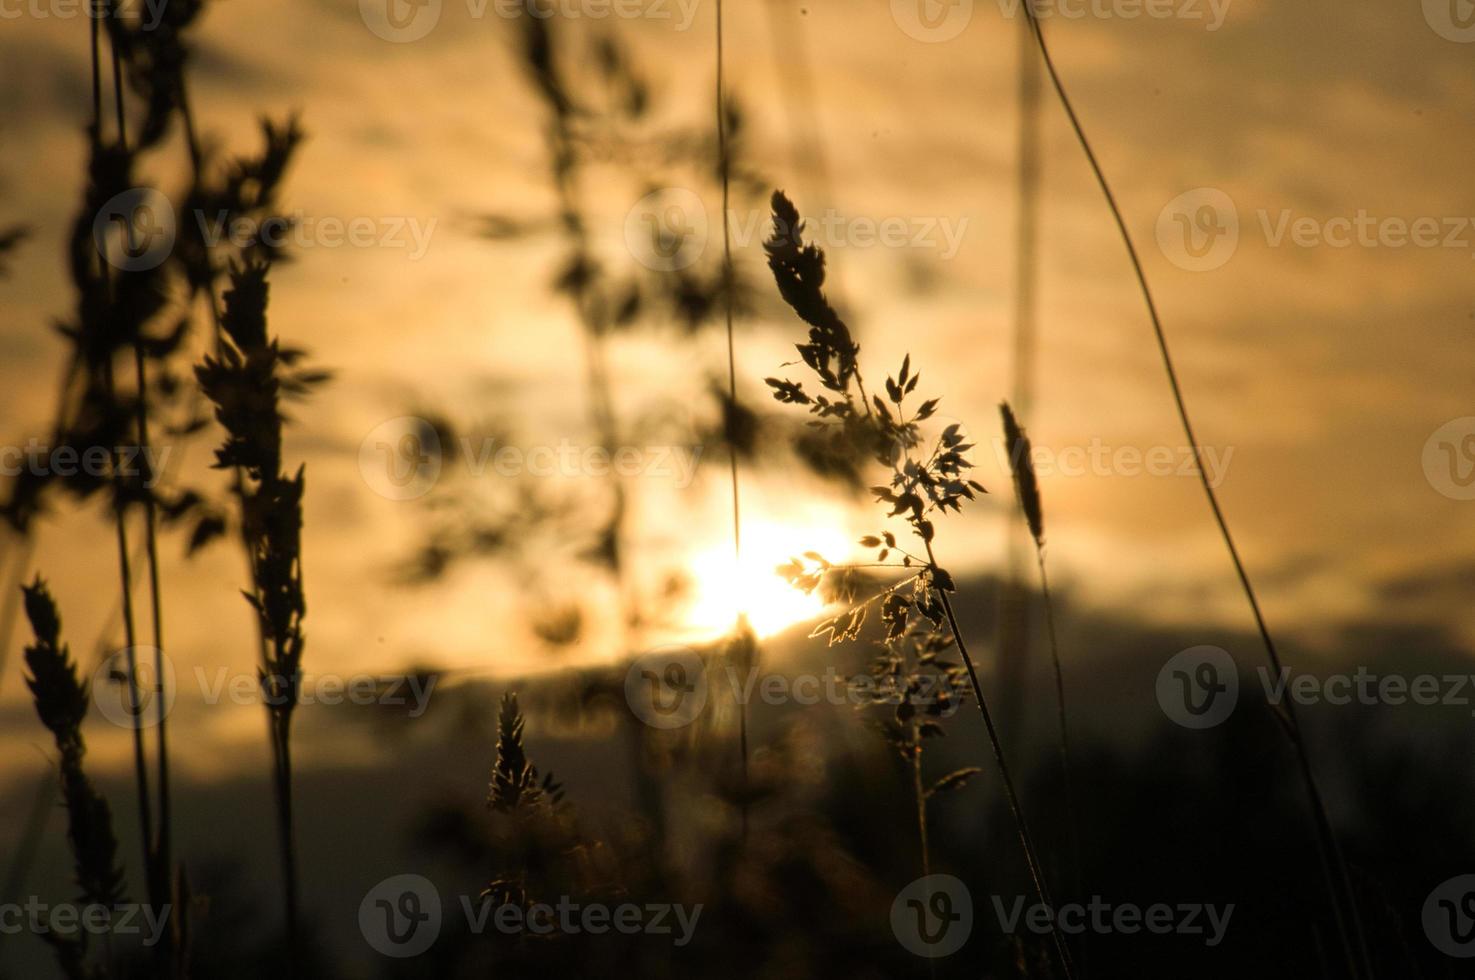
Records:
x=724, y=587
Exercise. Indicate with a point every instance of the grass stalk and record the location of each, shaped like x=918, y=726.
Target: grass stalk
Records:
x=1027, y=492
x=61, y=700
x=917, y=488
x=158, y=848
x=1334, y=865
x=244, y=383
x=1011, y=795
x=130, y=639
x=723, y=167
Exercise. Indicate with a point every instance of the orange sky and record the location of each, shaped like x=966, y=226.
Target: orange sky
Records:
x=1318, y=366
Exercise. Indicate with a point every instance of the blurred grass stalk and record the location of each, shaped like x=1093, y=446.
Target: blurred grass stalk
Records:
x=1027, y=492
x=61, y=700
x=243, y=382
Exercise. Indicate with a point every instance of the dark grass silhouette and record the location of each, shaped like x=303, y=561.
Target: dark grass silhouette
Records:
x=1333, y=864
x=1027, y=492
x=920, y=486
x=125, y=310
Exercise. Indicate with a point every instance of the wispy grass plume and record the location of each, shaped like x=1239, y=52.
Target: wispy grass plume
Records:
x=922, y=484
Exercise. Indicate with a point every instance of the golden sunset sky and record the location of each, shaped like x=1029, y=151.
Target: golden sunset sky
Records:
x=1323, y=351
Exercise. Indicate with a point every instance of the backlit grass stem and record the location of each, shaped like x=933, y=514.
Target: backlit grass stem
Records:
x=1334, y=865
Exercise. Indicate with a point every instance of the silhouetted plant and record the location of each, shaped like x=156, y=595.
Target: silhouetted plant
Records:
x=244, y=382
x=61, y=701
x=1027, y=492
x=912, y=676
x=1337, y=875
x=514, y=779
x=921, y=485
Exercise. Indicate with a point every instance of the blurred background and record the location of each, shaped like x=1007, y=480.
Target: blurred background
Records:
x=504, y=241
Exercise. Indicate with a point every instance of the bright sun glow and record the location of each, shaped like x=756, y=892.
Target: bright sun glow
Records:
x=724, y=588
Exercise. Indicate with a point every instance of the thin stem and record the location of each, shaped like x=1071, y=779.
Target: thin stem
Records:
x=282, y=753
x=159, y=868
x=723, y=167
x=165, y=844
x=737, y=534
x=1013, y=628
x=920, y=792
x=96, y=81
x=1071, y=814
x=120, y=523
x=1031, y=858
x=1344, y=902
x=130, y=637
